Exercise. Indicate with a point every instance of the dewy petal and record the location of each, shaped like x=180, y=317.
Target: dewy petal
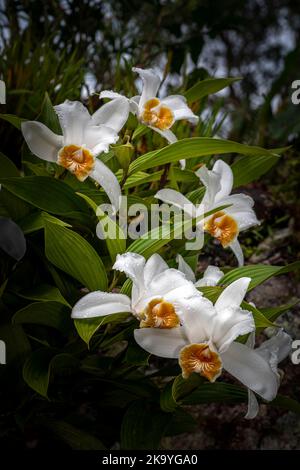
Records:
x=253, y=406
x=211, y=181
x=244, y=218
x=132, y=264
x=276, y=348
x=113, y=114
x=98, y=304
x=167, y=134
x=161, y=342
x=226, y=178
x=134, y=104
x=211, y=277
x=167, y=281
x=251, y=370
x=98, y=138
x=170, y=196
x=230, y=323
x=73, y=117
x=105, y=177
x=178, y=105
x=151, y=82
x=237, y=251
x=197, y=314
x=233, y=295
x=154, y=266
x=110, y=94
x=185, y=268
x=41, y=141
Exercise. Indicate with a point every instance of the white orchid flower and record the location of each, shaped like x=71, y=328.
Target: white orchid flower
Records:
x=158, y=114
x=156, y=289
x=206, y=344
x=224, y=225
x=84, y=137
x=211, y=275
x=274, y=350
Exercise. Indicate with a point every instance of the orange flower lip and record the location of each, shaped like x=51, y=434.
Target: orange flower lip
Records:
x=201, y=359
x=78, y=160
x=160, y=314
x=223, y=227
x=162, y=117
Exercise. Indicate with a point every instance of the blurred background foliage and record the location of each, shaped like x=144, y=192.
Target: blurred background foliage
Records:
x=76, y=48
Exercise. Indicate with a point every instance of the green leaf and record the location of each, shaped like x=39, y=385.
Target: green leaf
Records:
x=217, y=392
x=248, y=169
x=74, y=437
x=258, y=273
x=286, y=403
x=12, y=119
x=272, y=313
x=143, y=426
x=124, y=154
x=193, y=147
x=7, y=167
x=48, y=116
x=137, y=356
x=39, y=366
x=47, y=194
x=156, y=238
x=36, y=221
x=140, y=131
x=48, y=313
x=177, y=389
x=72, y=254
x=208, y=86
x=86, y=328
x=44, y=293
x=114, y=237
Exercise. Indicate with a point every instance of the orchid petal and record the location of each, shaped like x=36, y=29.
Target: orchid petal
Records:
x=211, y=277
x=110, y=95
x=162, y=343
x=175, y=198
x=251, y=370
x=132, y=264
x=151, y=82
x=98, y=304
x=253, y=406
x=73, y=117
x=185, y=268
x=154, y=266
x=278, y=347
x=230, y=323
x=106, y=178
x=113, y=114
x=41, y=141
x=166, y=134
x=197, y=317
x=98, y=138
x=225, y=174
x=233, y=295
x=237, y=251
x=211, y=181
x=180, y=109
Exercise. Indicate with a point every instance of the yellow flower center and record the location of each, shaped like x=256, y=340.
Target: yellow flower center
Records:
x=223, y=227
x=201, y=359
x=159, y=314
x=78, y=160
x=162, y=117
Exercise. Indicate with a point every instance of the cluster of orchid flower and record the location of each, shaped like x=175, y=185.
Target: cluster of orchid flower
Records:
x=175, y=319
